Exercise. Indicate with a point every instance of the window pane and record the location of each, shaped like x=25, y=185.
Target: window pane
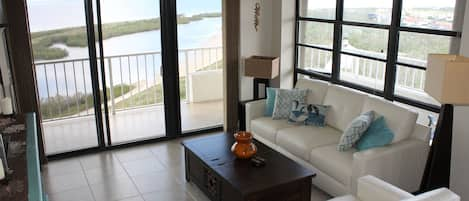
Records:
x=365, y=72
x=316, y=33
x=430, y=14
x=317, y=9
x=314, y=59
x=375, y=12
x=365, y=41
x=410, y=83
x=414, y=47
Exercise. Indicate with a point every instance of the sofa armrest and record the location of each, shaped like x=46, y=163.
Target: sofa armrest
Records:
x=371, y=189
x=254, y=109
x=442, y=194
x=401, y=164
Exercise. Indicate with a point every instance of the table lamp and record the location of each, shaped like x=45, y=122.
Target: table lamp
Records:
x=447, y=80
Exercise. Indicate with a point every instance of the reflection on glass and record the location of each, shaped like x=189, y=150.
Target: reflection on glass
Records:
x=368, y=11
x=315, y=60
x=410, y=83
x=365, y=72
x=317, y=9
x=365, y=41
x=429, y=14
x=414, y=47
x=316, y=33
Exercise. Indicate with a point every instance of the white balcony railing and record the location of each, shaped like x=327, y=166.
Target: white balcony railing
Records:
x=132, y=80
x=370, y=73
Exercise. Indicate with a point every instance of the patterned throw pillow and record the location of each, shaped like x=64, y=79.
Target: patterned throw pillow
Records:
x=355, y=130
x=298, y=113
x=284, y=100
x=377, y=135
x=308, y=114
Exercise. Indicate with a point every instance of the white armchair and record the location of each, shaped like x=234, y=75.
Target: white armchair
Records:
x=372, y=189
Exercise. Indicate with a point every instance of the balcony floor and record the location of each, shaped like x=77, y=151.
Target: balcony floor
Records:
x=127, y=126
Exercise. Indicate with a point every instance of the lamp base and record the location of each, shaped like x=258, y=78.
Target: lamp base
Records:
x=438, y=167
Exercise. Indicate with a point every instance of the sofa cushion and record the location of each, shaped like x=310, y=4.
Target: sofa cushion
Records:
x=355, y=130
x=333, y=163
x=377, y=135
x=399, y=119
x=284, y=100
x=346, y=104
x=300, y=140
x=271, y=93
x=267, y=128
x=308, y=114
x=318, y=89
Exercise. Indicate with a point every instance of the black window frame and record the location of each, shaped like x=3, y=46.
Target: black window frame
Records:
x=391, y=60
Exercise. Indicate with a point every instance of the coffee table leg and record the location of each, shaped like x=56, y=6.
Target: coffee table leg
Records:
x=187, y=165
x=306, y=190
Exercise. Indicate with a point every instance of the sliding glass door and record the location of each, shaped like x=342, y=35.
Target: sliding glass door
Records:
x=200, y=64
x=131, y=43
x=63, y=74
x=111, y=72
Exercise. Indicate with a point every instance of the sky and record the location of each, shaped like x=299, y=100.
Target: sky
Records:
x=382, y=3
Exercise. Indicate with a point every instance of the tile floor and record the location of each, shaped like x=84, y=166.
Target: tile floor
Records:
x=152, y=172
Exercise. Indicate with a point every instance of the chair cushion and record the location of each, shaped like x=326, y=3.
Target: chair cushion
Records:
x=267, y=128
x=333, y=163
x=399, y=119
x=300, y=140
x=318, y=89
x=346, y=104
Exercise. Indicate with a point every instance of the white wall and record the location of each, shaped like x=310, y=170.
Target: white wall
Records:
x=459, y=181
x=284, y=41
x=252, y=42
x=274, y=38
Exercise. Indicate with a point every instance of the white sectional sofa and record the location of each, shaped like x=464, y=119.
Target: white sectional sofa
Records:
x=401, y=163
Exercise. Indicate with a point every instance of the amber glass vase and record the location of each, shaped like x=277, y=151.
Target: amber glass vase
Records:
x=243, y=148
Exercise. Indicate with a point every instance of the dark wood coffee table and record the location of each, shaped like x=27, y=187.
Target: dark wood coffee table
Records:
x=215, y=170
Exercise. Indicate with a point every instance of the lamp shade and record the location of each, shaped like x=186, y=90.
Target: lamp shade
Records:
x=447, y=78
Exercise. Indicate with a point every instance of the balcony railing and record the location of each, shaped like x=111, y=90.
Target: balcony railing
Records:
x=371, y=73
x=132, y=80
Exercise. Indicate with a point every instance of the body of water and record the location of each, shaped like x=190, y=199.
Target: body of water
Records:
x=66, y=79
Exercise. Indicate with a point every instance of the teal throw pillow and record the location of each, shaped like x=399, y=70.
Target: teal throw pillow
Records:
x=308, y=114
x=355, y=130
x=284, y=100
x=270, y=101
x=377, y=135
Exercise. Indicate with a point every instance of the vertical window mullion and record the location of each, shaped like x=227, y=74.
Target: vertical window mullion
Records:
x=297, y=30
x=393, y=49
x=337, y=47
